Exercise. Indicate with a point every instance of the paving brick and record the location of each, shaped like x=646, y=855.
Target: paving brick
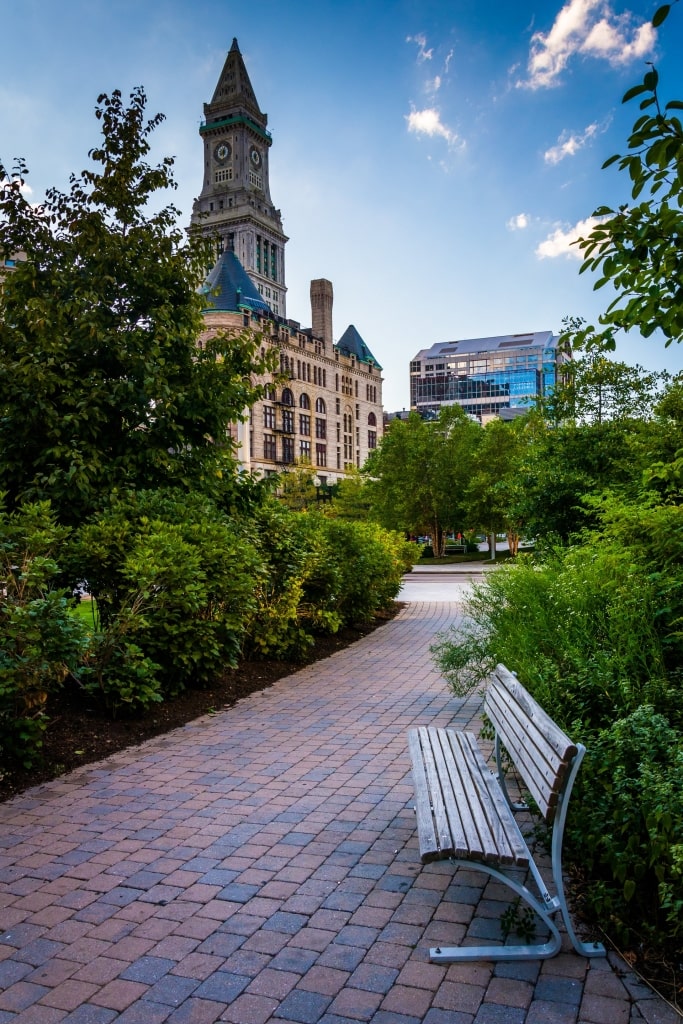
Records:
x=250, y=1009
x=303, y=1007
x=597, y=1009
x=356, y=1003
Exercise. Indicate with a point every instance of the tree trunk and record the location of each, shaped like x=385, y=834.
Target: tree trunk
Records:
x=513, y=543
x=492, y=546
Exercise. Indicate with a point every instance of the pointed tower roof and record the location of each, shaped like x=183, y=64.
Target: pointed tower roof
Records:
x=234, y=90
x=352, y=343
x=229, y=288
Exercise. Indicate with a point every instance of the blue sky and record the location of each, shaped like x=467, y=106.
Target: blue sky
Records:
x=432, y=159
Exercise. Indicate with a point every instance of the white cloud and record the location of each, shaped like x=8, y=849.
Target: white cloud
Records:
x=519, y=222
x=423, y=53
x=560, y=242
x=428, y=122
x=586, y=27
x=434, y=84
x=447, y=62
x=569, y=143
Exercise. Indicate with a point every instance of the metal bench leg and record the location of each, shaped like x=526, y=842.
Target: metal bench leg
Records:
x=530, y=951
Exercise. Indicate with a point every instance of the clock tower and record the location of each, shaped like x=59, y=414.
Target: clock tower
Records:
x=234, y=205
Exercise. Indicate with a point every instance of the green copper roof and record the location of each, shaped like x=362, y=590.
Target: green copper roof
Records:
x=352, y=343
x=229, y=288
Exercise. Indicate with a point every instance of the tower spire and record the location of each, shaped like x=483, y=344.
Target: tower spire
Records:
x=234, y=88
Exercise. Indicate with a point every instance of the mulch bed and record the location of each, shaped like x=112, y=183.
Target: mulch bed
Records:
x=79, y=734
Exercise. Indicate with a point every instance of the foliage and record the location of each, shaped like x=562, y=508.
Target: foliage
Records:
x=42, y=642
x=418, y=476
x=102, y=383
x=174, y=578
x=352, y=498
x=494, y=489
x=629, y=834
x=637, y=248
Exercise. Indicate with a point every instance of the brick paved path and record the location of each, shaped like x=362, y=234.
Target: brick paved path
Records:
x=261, y=864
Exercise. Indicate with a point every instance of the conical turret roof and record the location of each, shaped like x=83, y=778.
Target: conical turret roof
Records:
x=352, y=343
x=229, y=288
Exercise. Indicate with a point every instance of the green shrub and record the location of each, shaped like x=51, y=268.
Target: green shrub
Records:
x=175, y=582
x=42, y=642
x=626, y=827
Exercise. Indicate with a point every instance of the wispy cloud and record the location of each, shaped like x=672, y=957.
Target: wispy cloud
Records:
x=519, y=222
x=569, y=143
x=561, y=241
x=420, y=41
x=434, y=84
x=587, y=27
x=428, y=122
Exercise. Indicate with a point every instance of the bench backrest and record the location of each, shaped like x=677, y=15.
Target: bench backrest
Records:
x=541, y=752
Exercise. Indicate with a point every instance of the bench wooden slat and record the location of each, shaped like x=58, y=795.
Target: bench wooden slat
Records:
x=510, y=845
x=440, y=820
x=539, y=748
x=467, y=838
x=429, y=844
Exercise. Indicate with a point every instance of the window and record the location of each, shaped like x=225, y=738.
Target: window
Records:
x=223, y=175
x=372, y=420
x=288, y=449
x=287, y=421
x=337, y=406
x=321, y=454
x=304, y=402
x=305, y=424
x=287, y=396
x=269, y=451
x=320, y=427
x=269, y=391
x=320, y=405
x=269, y=417
x=372, y=439
x=305, y=450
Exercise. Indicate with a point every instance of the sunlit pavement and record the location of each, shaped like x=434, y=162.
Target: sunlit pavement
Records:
x=261, y=864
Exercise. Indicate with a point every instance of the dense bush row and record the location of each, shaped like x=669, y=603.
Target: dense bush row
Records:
x=594, y=631
x=181, y=589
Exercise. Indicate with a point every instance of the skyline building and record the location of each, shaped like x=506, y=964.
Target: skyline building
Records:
x=487, y=377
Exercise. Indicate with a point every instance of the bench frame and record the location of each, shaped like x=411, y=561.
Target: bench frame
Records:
x=465, y=813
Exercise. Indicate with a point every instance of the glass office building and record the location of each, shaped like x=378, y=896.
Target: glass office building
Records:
x=486, y=376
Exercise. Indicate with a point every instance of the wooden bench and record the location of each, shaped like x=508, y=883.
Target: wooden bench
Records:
x=464, y=812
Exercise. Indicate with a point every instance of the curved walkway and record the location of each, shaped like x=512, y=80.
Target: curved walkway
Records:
x=261, y=864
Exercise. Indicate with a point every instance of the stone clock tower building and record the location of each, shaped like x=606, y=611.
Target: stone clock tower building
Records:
x=235, y=204
x=324, y=406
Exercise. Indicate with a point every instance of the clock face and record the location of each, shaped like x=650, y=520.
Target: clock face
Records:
x=222, y=151
x=255, y=156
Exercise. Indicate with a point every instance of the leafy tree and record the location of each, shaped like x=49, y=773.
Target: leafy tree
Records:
x=103, y=386
x=493, y=491
x=418, y=476
x=352, y=497
x=637, y=248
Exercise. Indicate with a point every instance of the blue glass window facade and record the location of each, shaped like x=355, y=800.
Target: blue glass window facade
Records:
x=485, y=376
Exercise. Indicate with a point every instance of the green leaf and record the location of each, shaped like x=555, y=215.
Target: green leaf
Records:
x=635, y=90
x=661, y=15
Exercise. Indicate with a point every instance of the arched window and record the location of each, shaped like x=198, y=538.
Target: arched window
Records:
x=269, y=393
x=304, y=402
x=320, y=405
x=372, y=420
x=287, y=397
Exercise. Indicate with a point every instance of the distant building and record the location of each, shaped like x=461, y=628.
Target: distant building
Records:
x=329, y=410
x=487, y=377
